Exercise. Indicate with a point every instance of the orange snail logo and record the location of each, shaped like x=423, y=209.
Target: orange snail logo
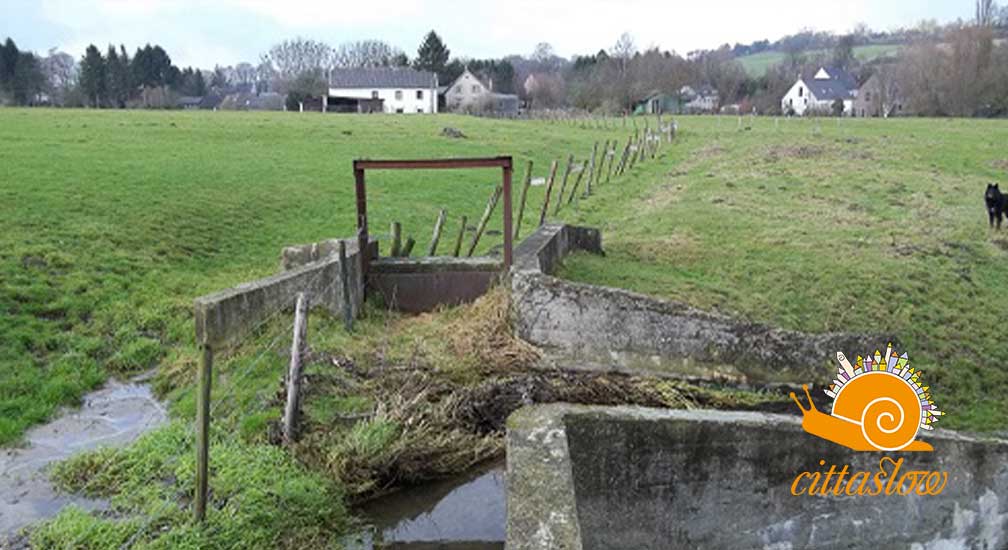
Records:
x=879, y=404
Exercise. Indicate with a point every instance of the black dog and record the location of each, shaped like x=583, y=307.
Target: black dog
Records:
x=997, y=204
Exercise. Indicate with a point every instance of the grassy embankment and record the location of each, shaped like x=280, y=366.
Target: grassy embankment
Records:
x=869, y=225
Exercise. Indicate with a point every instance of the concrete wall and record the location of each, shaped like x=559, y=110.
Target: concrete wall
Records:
x=422, y=284
x=224, y=317
x=596, y=477
x=601, y=328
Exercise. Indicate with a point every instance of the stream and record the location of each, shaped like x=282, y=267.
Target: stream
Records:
x=467, y=512
x=114, y=415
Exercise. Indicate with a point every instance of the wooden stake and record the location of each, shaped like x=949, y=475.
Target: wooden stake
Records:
x=203, y=434
x=549, y=192
x=591, y=170
x=563, y=184
x=396, y=240
x=577, y=182
x=524, y=195
x=491, y=204
x=407, y=248
x=612, y=161
x=461, y=235
x=438, y=226
x=294, y=372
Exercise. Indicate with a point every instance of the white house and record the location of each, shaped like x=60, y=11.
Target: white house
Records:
x=819, y=91
x=393, y=90
x=702, y=99
x=470, y=93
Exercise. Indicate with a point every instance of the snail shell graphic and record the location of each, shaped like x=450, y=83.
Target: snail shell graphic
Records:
x=879, y=404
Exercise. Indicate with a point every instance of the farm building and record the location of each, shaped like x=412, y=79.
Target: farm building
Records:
x=702, y=99
x=817, y=92
x=392, y=90
x=879, y=96
x=470, y=93
x=659, y=103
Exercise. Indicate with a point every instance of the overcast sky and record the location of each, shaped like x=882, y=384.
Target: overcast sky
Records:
x=209, y=32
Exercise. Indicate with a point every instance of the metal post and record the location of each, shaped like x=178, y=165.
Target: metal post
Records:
x=203, y=433
x=362, y=229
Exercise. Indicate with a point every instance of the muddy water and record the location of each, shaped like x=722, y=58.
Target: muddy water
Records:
x=467, y=512
x=114, y=415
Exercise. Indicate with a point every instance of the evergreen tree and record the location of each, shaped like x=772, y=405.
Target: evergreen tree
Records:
x=8, y=64
x=199, y=84
x=28, y=78
x=433, y=55
x=93, y=76
x=116, y=78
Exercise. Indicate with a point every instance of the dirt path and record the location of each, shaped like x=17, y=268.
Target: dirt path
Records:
x=114, y=415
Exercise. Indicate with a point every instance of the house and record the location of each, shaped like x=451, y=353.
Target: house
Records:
x=879, y=96
x=188, y=102
x=469, y=93
x=702, y=99
x=393, y=90
x=659, y=103
x=818, y=92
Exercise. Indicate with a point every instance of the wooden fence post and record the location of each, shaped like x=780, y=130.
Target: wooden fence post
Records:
x=461, y=235
x=577, y=182
x=563, y=183
x=524, y=195
x=407, y=248
x=438, y=226
x=345, y=276
x=612, y=161
x=203, y=434
x=394, y=246
x=549, y=191
x=294, y=372
x=591, y=169
x=491, y=204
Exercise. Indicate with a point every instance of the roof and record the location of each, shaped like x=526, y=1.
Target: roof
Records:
x=382, y=78
x=839, y=84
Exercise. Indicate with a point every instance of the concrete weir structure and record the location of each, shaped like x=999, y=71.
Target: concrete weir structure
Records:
x=593, y=327
x=626, y=477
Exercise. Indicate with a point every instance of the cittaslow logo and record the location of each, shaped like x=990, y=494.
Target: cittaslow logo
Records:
x=879, y=404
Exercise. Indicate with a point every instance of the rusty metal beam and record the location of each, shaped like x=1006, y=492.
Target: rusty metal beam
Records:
x=432, y=164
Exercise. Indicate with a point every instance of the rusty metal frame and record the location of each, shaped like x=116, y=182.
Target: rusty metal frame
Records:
x=361, y=165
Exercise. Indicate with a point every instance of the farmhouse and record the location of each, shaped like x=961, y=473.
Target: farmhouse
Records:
x=818, y=92
x=659, y=103
x=702, y=99
x=389, y=90
x=470, y=93
x=879, y=96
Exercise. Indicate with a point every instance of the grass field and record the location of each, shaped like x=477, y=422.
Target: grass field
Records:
x=758, y=63
x=114, y=221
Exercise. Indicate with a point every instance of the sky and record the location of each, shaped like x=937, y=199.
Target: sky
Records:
x=211, y=32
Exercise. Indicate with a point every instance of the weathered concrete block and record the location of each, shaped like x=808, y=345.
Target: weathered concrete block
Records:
x=625, y=477
x=224, y=317
x=422, y=284
x=544, y=249
x=596, y=327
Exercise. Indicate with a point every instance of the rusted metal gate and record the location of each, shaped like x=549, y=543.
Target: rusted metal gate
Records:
x=361, y=166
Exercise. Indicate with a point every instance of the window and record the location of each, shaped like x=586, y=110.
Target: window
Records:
x=419, y=94
x=419, y=110
x=374, y=94
x=458, y=89
x=867, y=96
x=800, y=91
x=475, y=89
x=399, y=111
x=398, y=95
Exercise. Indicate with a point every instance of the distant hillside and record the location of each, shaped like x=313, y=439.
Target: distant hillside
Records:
x=757, y=64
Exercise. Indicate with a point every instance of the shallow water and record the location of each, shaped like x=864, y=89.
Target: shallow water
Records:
x=465, y=512
x=112, y=416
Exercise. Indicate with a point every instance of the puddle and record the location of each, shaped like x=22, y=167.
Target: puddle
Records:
x=468, y=512
x=114, y=415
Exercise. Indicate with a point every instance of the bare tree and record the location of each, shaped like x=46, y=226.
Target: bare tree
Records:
x=292, y=58
x=366, y=53
x=60, y=72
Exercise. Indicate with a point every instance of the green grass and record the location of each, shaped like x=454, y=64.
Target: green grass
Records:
x=112, y=222
x=756, y=65
x=815, y=225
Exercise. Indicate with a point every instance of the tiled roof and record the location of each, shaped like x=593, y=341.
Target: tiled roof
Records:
x=381, y=78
